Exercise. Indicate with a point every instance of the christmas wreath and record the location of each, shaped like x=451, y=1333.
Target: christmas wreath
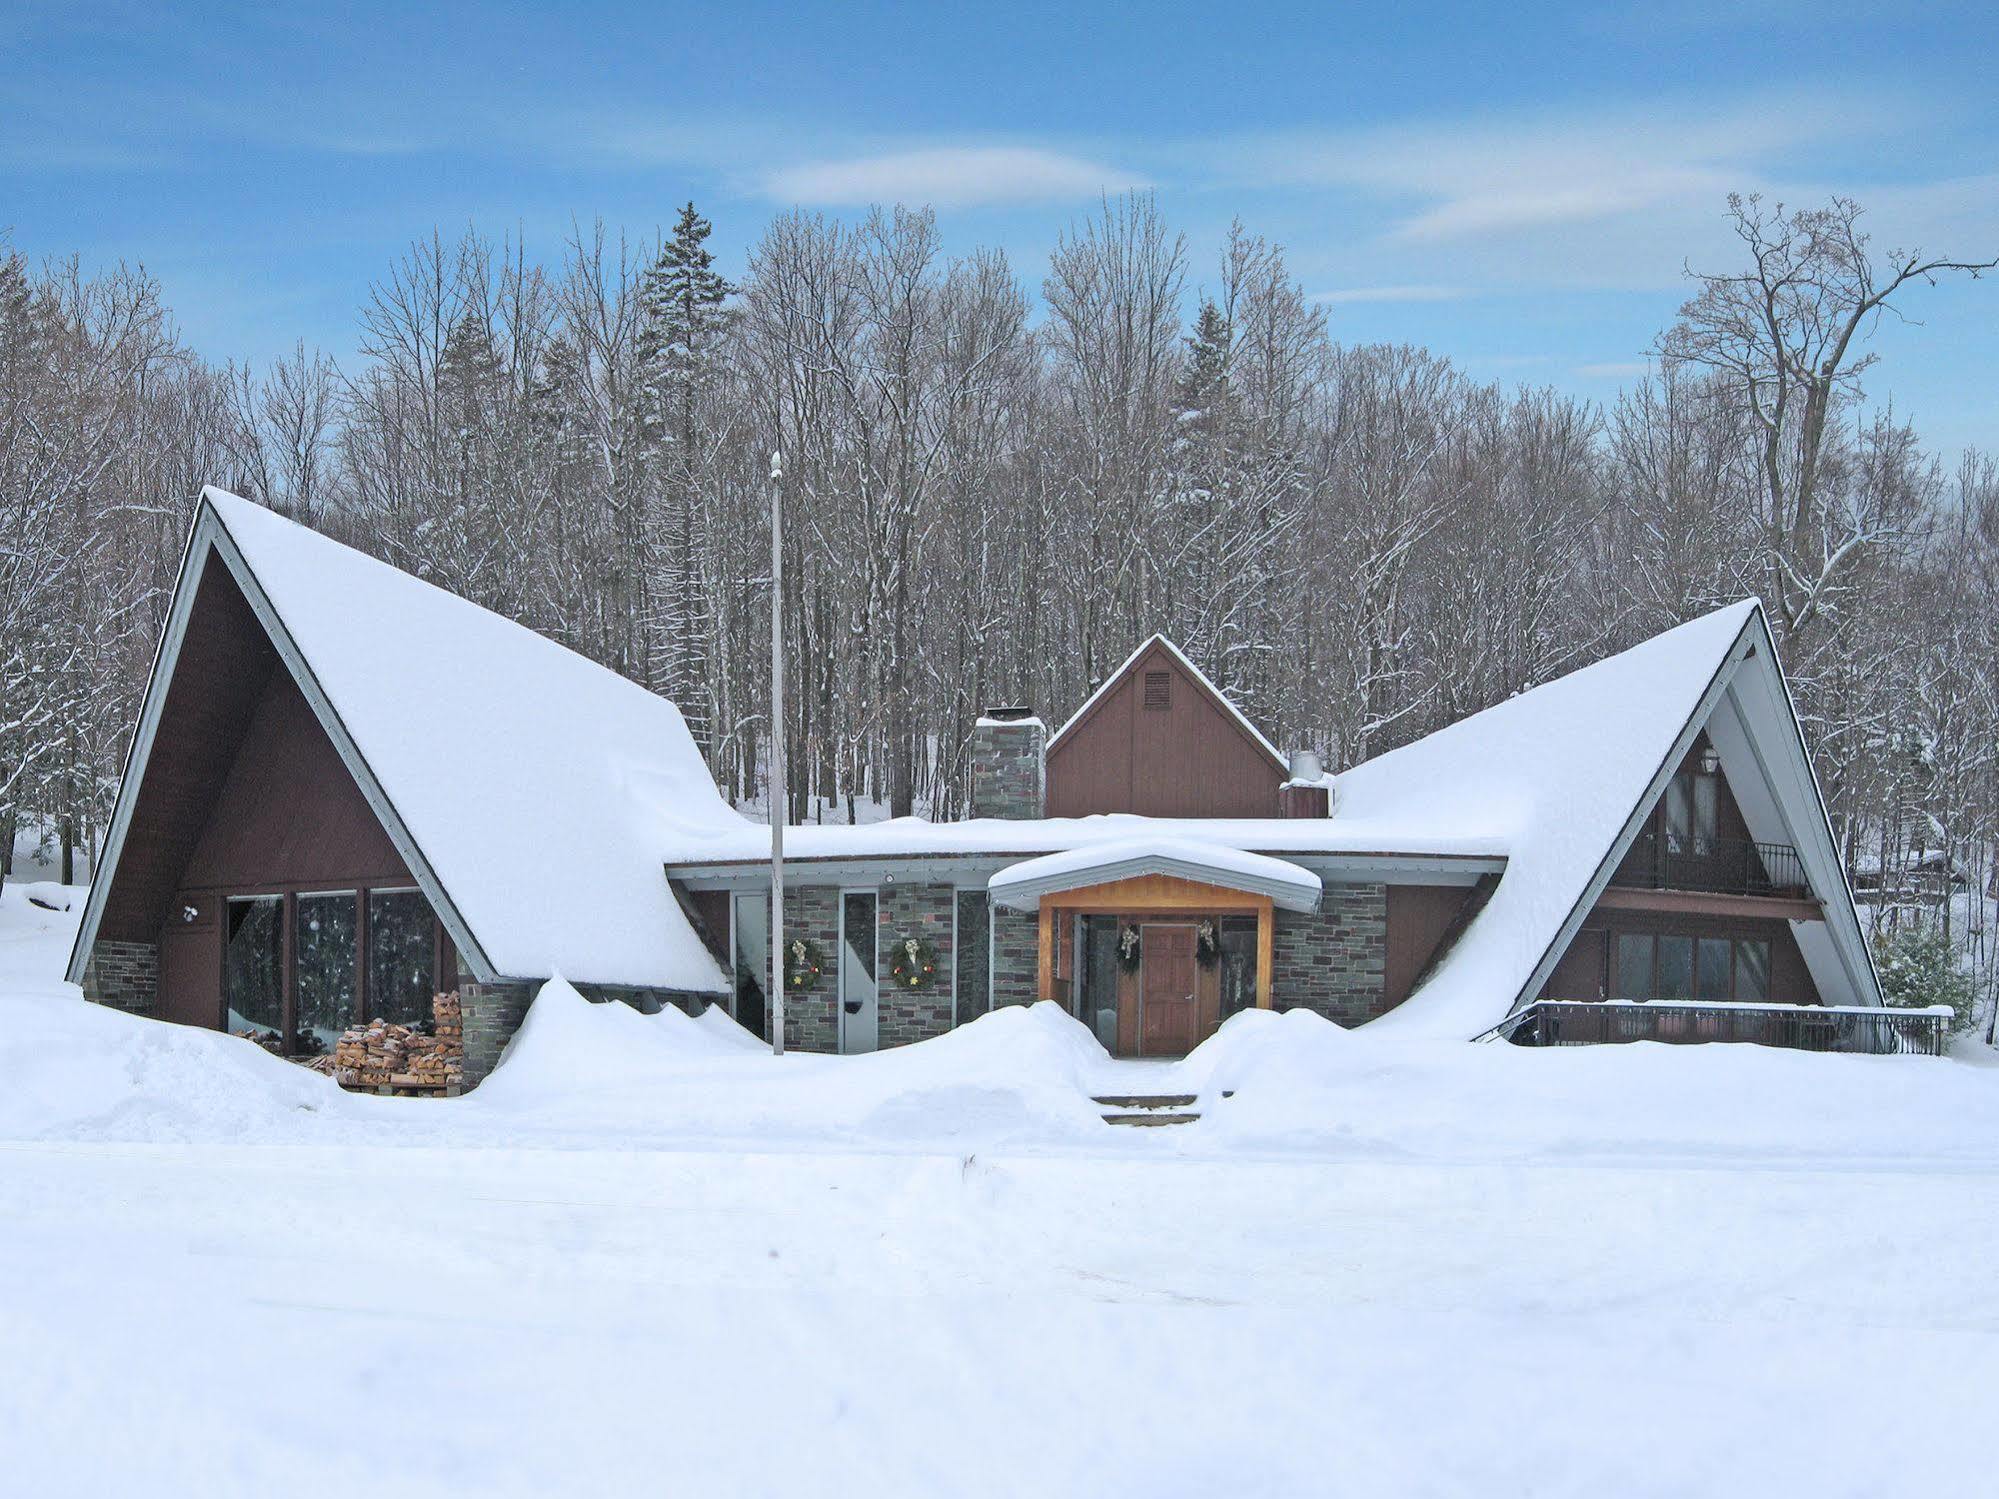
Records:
x=1207, y=943
x=803, y=963
x=911, y=962
x=1128, y=948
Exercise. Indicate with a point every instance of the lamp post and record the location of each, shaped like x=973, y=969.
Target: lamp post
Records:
x=777, y=789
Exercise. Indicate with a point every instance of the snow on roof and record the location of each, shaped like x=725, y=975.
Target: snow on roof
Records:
x=1022, y=885
x=1193, y=671
x=1557, y=772
x=917, y=837
x=493, y=745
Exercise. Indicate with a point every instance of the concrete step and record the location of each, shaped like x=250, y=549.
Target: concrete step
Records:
x=1144, y=1100
x=1150, y=1120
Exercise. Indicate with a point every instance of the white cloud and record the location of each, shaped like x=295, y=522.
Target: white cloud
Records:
x=1583, y=185
x=1614, y=369
x=1420, y=293
x=947, y=176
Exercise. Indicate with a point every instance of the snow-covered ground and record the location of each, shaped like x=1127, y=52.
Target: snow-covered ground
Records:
x=649, y=1258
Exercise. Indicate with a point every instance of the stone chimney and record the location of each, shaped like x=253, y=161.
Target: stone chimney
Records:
x=1008, y=764
x=1309, y=791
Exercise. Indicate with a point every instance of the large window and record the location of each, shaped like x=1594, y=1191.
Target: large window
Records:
x=1670, y=966
x=328, y=969
x=320, y=934
x=401, y=956
x=253, y=964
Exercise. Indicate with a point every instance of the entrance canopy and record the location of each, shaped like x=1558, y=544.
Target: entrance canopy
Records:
x=1165, y=897
x=1020, y=887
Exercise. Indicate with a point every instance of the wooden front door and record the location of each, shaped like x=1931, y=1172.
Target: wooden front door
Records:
x=1169, y=1010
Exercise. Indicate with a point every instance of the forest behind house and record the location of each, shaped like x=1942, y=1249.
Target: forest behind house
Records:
x=997, y=480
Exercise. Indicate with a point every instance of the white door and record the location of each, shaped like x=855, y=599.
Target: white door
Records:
x=860, y=995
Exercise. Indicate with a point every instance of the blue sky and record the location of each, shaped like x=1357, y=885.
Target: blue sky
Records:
x=1515, y=186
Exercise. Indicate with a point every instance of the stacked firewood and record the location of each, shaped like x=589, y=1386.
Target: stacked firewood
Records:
x=423, y=1059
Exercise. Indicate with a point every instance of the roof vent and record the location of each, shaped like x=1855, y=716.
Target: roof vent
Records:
x=1158, y=689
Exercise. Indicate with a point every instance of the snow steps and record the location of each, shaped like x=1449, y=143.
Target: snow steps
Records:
x=1147, y=1110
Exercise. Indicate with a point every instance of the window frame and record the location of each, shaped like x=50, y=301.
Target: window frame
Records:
x=1736, y=939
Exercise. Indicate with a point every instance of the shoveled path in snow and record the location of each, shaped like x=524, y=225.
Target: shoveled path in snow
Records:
x=219, y=1319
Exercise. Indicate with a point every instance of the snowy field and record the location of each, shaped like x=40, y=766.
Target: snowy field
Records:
x=648, y=1258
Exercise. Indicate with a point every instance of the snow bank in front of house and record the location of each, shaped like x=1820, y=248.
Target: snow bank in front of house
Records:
x=72, y=1070
x=1267, y=1051
x=1018, y=1073
x=1299, y=1083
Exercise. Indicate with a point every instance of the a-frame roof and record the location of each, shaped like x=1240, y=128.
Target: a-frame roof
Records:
x=1570, y=771
x=1194, y=674
x=491, y=755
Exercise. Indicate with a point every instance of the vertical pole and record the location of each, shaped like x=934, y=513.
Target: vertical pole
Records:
x=1266, y=947
x=778, y=798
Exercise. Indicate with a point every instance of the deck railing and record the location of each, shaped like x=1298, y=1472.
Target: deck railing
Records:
x=1845, y=1028
x=1721, y=866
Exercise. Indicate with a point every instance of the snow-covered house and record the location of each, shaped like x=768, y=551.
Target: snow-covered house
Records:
x=346, y=788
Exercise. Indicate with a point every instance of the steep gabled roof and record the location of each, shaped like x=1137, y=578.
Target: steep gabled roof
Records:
x=485, y=749
x=1566, y=774
x=1194, y=673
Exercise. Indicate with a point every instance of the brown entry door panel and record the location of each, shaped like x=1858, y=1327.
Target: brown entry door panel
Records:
x=1169, y=1011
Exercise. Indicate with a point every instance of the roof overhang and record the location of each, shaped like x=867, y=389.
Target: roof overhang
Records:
x=1020, y=887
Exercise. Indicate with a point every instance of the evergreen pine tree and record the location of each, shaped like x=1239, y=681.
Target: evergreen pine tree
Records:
x=682, y=321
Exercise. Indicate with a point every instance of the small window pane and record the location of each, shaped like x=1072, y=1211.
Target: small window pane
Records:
x=1238, y=964
x=1705, y=792
x=401, y=942
x=1679, y=814
x=254, y=964
x=1714, y=958
x=327, y=969
x=1634, y=965
x=858, y=932
x=1100, y=978
x=1752, y=971
x=972, y=955
x=1676, y=968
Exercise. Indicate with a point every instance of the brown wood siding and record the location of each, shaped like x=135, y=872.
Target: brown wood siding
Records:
x=1418, y=917
x=225, y=662
x=289, y=814
x=1190, y=759
x=1584, y=970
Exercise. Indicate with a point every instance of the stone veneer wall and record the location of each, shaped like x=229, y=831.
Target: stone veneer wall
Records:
x=124, y=976
x=1016, y=956
x=491, y=1015
x=904, y=1014
x=811, y=1018
x=1009, y=777
x=1334, y=962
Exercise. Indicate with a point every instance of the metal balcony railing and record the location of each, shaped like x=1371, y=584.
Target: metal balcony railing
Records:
x=1843, y=1028
x=1721, y=866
